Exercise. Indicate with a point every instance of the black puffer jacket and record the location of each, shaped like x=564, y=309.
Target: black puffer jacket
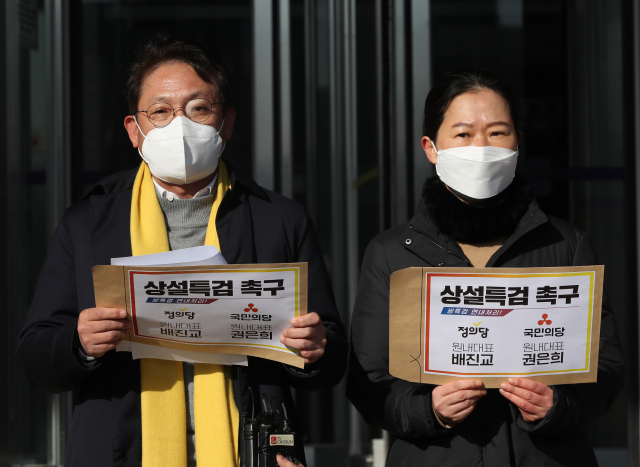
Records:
x=495, y=434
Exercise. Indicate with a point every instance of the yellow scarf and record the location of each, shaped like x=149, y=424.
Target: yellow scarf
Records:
x=164, y=416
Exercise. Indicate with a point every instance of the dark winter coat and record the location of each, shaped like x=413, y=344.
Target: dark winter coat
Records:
x=254, y=226
x=495, y=434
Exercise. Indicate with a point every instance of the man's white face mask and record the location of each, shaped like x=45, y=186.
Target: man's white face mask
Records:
x=478, y=172
x=182, y=152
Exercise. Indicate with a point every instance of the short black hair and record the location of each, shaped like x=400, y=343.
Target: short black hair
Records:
x=459, y=82
x=164, y=49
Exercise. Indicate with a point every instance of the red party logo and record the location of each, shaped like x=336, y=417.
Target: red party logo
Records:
x=544, y=320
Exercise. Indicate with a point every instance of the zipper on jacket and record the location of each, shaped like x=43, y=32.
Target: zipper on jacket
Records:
x=438, y=245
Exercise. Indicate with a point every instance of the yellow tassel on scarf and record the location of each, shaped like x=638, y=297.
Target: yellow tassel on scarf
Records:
x=164, y=416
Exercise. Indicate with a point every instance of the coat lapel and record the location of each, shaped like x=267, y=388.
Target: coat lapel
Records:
x=234, y=220
x=110, y=220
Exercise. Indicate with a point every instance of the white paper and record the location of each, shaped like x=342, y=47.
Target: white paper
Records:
x=163, y=353
x=196, y=256
x=201, y=255
x=124, y=346
x=151, y=351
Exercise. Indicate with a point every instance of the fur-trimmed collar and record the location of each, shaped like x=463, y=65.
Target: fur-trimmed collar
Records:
x=494, y=218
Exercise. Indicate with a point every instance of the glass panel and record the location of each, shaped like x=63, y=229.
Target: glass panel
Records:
x=26, y=419
x=370, y=129
x=323, y=417
x=111, y=35
x=598, y=201
x=320, y=170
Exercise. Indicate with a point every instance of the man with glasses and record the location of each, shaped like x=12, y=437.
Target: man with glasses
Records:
x=183, y=195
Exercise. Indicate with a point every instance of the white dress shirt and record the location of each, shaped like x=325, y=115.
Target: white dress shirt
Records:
x=206, y=191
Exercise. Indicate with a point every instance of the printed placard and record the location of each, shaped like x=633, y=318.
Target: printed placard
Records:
x=492, y=324
x=239, y=309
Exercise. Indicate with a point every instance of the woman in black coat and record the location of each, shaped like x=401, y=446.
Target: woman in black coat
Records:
x=475, y=213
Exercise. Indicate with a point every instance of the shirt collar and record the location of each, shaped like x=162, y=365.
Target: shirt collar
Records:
x=206, y=191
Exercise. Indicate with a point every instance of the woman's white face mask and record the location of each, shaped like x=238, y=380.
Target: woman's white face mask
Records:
x=479, y=172
x=182, y=152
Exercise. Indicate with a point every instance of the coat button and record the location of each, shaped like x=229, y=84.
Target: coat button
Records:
x=408, y=241
x=440, y=263
x=124, y=459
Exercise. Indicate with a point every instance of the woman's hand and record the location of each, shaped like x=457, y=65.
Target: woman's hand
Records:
x=454, y=401
x=533, y=399
x=283, y=462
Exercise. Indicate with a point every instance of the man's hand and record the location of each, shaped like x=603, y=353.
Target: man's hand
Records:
x=102, y=329
x=308, y=335
x=283, y=462
x=532, y=399
x=454, y=401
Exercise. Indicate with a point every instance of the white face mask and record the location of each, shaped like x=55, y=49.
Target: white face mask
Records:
x=477, y=172
x=182, y=152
